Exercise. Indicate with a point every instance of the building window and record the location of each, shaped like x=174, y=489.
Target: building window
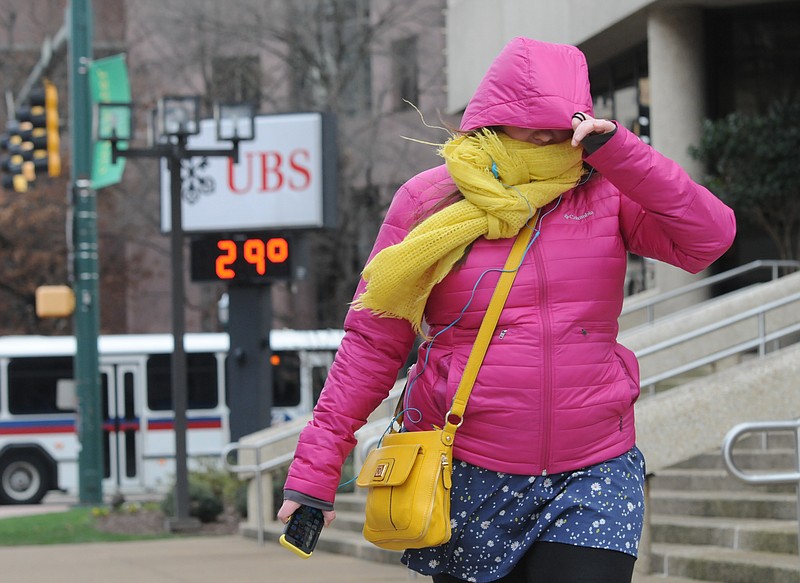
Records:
x=236, y=80
x=357, y=91
x=405, y=72
x=621, y=91
x=330, y=59
x=753, y=57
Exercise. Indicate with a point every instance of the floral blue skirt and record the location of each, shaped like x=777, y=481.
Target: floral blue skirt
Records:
x=496, y=517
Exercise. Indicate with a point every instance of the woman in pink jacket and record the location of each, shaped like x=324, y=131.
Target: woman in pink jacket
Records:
x=548, y=482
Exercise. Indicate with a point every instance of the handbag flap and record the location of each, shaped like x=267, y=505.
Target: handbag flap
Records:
x=388, y=465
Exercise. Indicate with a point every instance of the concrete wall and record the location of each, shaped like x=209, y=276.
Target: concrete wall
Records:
x=495, y=23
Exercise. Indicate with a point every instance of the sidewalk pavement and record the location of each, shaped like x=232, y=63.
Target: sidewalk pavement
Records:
x=197, y=559
x=192, y=559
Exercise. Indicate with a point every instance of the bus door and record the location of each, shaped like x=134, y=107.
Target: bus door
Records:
x=297, y=380
x=122, y=409
x=314, y=367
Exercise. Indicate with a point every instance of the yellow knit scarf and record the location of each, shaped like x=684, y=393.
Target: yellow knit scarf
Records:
x=400, y=277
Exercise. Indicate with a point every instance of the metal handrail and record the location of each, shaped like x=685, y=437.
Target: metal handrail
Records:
x=765, y=478
x=258, y=469
x=760, y=342
x=649, y=303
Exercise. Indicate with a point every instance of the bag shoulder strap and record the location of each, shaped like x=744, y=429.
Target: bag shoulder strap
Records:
x=454, y=416
x=484, y=336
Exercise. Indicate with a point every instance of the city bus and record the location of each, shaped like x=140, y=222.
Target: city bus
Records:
x=39, y=443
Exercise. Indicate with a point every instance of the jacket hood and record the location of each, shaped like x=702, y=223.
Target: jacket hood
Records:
x=531, y=84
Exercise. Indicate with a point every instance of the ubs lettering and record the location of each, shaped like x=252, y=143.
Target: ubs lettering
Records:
x=270, y=171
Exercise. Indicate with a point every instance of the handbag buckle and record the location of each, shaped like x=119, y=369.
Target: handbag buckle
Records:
x=451, y=414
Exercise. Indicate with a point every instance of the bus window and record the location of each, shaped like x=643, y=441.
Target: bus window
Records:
x=32, y=384
x=285, y=379
x=318, y=376
x=201, y=381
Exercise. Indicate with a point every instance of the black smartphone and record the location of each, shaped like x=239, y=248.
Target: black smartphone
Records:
x=301, y=533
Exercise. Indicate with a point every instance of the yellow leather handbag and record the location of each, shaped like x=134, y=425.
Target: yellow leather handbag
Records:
x=408, y=476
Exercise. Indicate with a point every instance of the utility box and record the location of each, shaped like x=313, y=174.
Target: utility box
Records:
x=54, y=301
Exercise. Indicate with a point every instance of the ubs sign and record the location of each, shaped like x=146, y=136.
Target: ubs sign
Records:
x=285, y=178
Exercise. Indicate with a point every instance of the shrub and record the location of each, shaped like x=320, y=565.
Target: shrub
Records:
x=204, y=504
x=751, y=166
x=224, y=484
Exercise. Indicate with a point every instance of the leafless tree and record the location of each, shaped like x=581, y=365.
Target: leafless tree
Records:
x=312, y=55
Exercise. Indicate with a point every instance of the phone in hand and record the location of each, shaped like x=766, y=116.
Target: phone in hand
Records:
x=301, y=533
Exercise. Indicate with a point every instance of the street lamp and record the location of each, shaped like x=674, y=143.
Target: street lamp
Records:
x=175, y=119
x=178, y=115
x=234, y=121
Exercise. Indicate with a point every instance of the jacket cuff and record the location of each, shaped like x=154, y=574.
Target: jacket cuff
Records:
x=301, y=498
x=593, y=142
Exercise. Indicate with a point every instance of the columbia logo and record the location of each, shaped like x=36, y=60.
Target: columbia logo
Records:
x=571, y=217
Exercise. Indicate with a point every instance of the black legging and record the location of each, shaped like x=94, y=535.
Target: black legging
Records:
x=563, y=563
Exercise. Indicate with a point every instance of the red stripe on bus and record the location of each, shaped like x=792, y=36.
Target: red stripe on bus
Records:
x=191, y=424
x=37, y=429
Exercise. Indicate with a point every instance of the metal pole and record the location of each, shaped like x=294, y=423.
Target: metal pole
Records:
x=249, y=370
x=86, y=278
x=181, y=520
x=797, y=486
x=259, y=498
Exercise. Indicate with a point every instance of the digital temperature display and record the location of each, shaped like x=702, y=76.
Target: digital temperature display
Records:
x=248, y=259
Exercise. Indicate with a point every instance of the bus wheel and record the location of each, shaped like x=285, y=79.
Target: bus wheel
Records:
x=23, y=479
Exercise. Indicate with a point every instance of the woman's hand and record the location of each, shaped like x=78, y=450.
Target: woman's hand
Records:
x=583, y=125
x=289, y=506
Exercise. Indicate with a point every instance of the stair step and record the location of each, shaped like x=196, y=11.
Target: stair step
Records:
x=775, y=536
x=350, y=503
x=710, y=563
x=332, y=540
x=724, y=503
x=780, y=459
x=659, y=578
x=709, y=479
x=767, y=440
x=349, y=521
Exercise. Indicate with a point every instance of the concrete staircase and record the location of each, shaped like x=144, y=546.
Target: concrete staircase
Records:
x=707, y=526
x=343, y=536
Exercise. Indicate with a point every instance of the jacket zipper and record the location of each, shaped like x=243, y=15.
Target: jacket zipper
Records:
x=547, y=362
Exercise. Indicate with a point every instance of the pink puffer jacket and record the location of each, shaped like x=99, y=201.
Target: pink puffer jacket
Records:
x=556, y=390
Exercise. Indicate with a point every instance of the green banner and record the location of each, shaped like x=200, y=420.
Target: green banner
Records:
x=108, y=83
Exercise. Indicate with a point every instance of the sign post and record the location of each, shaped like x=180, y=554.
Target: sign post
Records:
x=86, y=265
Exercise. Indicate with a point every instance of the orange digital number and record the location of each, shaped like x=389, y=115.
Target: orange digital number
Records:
x=277, y=250
x=254, y=254
x=225, y=260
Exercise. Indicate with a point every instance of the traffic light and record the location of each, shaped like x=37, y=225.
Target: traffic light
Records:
x=39, y=126
x=31, y=141
x=16, y=170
